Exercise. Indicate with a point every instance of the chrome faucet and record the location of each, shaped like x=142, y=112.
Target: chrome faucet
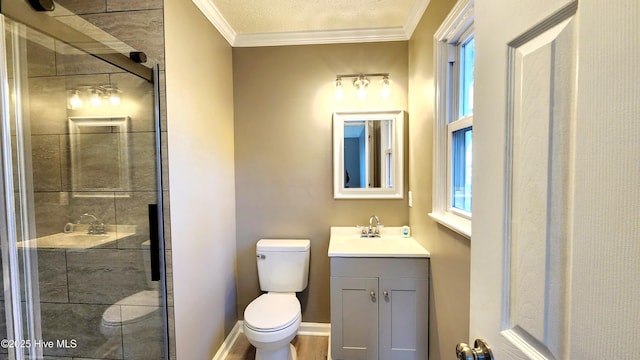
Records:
x=374, y=231
x=96, y=227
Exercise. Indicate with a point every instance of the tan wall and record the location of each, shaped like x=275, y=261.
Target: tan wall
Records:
x=450, y=253
x=284, y=100
x=201, y=179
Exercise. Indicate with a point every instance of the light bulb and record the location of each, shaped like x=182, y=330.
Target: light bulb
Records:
x=361, y=84
x=95, y=99
x=114, y=99
x=385, y=92
x=74, y=101
x=362, y=92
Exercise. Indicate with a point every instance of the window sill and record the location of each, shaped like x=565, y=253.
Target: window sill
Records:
x=456, y=223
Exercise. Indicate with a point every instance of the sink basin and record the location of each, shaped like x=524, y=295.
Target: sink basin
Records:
x=345, y=241
x=80, y=239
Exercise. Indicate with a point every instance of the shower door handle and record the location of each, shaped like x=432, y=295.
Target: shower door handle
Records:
x=154, y=240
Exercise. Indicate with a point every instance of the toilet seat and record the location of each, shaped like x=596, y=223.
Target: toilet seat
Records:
x=272, y=312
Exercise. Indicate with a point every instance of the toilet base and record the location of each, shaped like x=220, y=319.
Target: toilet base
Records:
x=284, y=353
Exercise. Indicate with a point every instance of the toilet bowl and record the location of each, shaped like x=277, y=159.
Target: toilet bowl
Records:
x=134, y=308
x=270, y=323
x=130, y=310
x=272, y=320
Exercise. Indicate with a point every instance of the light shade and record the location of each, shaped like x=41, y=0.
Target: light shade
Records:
x=385, y=91
x=114, y=99
x=339, y=89
x=74, y=100
x=361, y=84
x=95, y=99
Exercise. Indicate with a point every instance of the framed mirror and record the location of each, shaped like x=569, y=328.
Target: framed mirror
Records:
x=99, y=155
x=368, y=154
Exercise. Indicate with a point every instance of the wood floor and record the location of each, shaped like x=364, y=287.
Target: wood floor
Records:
x=307, y=347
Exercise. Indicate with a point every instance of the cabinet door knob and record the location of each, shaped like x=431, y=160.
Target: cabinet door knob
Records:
x=373, y=294
x=386, y=294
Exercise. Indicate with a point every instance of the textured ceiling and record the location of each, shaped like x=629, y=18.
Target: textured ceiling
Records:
x=282, y=22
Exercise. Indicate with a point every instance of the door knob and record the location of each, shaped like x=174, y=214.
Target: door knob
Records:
x=481, y=351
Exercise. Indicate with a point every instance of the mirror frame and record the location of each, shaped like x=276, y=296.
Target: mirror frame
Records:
x=339, y=119
x=76, y=123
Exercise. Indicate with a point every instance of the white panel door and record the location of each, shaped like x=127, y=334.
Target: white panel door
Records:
x=556, y=166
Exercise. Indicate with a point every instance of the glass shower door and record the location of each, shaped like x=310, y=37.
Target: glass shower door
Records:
x=80, y=185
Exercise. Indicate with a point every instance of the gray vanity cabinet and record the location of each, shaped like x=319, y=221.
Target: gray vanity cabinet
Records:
x=379, y=308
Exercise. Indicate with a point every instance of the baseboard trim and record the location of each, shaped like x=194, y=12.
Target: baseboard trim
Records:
x=306, y=328
x=314, y=329
x=227, y=344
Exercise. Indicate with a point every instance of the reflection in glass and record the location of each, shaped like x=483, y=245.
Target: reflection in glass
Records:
x=368, y=154
x=461, y=164
x=76, y=170
x=467, y=58
x=99, y=153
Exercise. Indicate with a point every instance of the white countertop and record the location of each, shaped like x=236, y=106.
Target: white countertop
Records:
x=78, y=238
x=345, y=241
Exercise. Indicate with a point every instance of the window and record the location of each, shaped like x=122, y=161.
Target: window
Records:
x=453, y=133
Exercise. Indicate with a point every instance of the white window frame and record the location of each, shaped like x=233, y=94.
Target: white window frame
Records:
x=455, y=29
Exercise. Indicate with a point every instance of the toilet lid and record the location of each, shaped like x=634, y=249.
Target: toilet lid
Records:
x=272, y=312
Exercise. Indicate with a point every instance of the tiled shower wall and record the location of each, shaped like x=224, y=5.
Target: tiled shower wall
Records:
x=76, y=287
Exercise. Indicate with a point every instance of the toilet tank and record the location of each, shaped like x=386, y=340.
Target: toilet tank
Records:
x=283, y=264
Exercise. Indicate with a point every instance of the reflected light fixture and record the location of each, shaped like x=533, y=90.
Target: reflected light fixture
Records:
x=74, y=100
x=97, y=95
x=114, y=96
x=95, y=98
x=361, y=82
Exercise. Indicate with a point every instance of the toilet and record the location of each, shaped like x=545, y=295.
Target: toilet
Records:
x=272, y=320
x=135, y=308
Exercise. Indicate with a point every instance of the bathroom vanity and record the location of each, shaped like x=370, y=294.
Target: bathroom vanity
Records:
x=379, y=296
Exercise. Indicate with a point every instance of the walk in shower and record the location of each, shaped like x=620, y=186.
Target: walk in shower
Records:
x=81, y=216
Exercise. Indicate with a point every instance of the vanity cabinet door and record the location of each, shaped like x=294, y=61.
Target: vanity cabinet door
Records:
x=354, y=318
x=404, y=318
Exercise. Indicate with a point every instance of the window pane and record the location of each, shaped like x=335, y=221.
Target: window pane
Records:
x=467, y=56
x=389, y=165
x=461, y=165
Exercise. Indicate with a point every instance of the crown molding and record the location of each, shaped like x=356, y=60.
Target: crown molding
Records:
x=415, y=15
x=319, y=37
x=214, y=16
x=234, y=39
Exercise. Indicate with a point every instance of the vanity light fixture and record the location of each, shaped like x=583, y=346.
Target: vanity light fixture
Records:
x=361, y=82
x=97, y=95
